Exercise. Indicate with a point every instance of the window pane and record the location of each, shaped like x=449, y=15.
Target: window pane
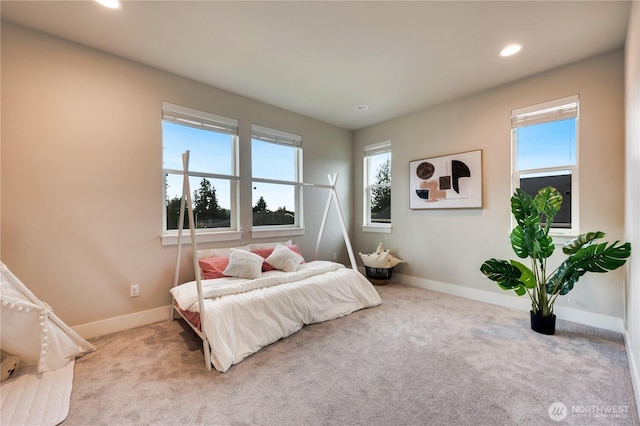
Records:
x=378, y=172
x=273, y=161
x=210, y=152
x=211, y=200
x=532, y=183
x=549, y=144
x=273, y=204
x=379, y=168
x=380, y=204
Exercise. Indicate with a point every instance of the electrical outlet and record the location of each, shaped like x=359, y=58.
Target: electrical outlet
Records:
x=335, y=256
x=134, y=290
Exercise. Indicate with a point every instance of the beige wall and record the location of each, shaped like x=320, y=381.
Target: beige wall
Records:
x=632, y=283
x=82, y=173
x=81, y=170
x=448, y=246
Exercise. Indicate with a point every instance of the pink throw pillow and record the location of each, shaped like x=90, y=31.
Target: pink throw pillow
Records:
x=213, y=267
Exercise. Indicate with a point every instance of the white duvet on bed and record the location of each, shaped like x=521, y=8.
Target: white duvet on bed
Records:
x=258, y=312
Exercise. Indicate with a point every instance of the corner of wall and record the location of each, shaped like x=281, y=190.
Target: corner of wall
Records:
x=632, y=202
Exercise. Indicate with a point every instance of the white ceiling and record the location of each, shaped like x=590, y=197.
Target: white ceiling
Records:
x=322, y=59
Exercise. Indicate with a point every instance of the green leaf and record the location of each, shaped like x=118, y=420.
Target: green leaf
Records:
x=564, y=278
x=518, y=243
x=548, y=202
x=504, y=274
x=600, y=257
x=526, y=275
x=546, y=246
x=530, y=240
x=574, y=245
x=520, y=291
x=522, y=206
x=588, y=258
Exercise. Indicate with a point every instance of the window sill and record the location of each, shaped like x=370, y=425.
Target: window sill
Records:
x=380, y=229
x=561, y=239
x=276, y=232
x=201, y=237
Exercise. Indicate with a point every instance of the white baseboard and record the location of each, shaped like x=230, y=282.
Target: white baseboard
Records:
x=124, y=322
x=521, y=303
x=634, y=368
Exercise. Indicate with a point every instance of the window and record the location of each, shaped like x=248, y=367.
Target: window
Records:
x=377, y=187
x=213, y=179
x=276, y=168
x=545, y=143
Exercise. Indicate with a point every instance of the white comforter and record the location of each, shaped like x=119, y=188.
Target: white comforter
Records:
x=242, y=316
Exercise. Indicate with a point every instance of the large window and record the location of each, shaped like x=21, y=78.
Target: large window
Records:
x=377, y=187
x=545, y=143
x=212, y=142
x=276, y=168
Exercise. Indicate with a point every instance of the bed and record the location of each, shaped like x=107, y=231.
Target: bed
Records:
x=255, y=295
x=245, y=298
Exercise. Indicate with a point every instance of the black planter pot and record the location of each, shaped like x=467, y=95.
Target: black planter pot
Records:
x=543, y=325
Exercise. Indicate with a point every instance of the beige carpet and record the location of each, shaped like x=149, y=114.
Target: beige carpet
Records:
x=420, y=358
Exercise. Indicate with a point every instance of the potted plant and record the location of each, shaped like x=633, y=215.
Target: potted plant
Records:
x=530, y=239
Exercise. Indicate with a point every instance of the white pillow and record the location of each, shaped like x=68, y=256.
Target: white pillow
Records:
x=244, y=264
x=284, y=259
x=376, y=260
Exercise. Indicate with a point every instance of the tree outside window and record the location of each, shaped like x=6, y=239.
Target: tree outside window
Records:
x=377, y=180
x=381, y=194
x=212, y=144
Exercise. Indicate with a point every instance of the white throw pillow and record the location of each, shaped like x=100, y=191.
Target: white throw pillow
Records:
x=244, y=264
x=376, y=260
x=284, y=259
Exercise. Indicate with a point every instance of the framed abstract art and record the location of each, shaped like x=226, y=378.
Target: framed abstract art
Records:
x=447, y=182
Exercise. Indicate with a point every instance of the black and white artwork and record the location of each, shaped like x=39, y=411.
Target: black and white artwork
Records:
x=448, y=182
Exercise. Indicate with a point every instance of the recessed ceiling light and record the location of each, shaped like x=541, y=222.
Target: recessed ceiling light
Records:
x=511, y=49
x=111, y=4
x=362, y=107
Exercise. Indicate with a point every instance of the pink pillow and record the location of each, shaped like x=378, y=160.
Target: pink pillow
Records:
x=266, y=252
x=213, y=267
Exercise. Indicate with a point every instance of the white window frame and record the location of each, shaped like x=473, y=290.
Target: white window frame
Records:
x=555, y=110
x=367, y=225
x=279, y=137
x=214, y=123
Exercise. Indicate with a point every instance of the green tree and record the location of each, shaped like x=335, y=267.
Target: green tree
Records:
x=173, y=213
x=207, y=212
x=205, y=202
x=261, y=205
x=381, y=197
